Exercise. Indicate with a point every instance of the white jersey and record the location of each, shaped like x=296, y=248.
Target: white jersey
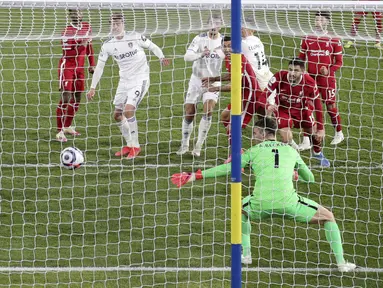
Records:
x=129, y=54
x=254, y=51
x=210, y=65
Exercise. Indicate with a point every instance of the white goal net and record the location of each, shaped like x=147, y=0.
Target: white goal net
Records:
x=122, y=223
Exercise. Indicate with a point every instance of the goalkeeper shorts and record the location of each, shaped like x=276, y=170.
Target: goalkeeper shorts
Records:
x=303, y=211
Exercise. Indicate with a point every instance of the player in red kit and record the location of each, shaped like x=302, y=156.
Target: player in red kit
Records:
x=324, y=56
x=77, y=46
x=249, y=89
x=296, y=101
x=378, y=26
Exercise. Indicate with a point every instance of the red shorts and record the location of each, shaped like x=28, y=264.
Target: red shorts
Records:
x=294, y=118
x=374, y=14
x=71, y=79
x=327, y=88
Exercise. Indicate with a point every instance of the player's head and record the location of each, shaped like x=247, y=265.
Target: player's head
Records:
x=265, y=129
x=214, y=23
x=227, y=46
x=117, y=24
x=296, y=69
x=322, y=18
x=248, y=26
x=75, y=15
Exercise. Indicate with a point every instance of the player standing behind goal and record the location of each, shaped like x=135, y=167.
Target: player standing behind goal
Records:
x=127, y=48
x=378, y=26
x=207, y=56
x=324, y=56
x=274, y=194
x=76, y=45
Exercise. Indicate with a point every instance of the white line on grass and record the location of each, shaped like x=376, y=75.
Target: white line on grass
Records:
x=175, y=269
x=126, y=164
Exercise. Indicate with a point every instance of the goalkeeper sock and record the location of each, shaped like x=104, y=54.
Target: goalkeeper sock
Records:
x=246, y=231
x=132, y=122
x=60, y=114
x=187, y=128
x=203, y=129
x=124, y=128
x=335, y=119
x=335, y=240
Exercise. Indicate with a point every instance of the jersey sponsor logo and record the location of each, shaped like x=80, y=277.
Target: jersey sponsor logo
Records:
x=290, y=99
x=320, y=53
x=212, y=55
x=126, y=55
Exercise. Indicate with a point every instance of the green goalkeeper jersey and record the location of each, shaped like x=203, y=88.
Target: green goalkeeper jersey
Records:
x=273, y=164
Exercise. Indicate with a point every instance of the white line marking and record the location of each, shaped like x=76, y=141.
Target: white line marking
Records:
x=176, y=269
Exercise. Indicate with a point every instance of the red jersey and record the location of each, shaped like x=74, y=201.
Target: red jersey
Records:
x=321, y=51
x=74, y=53
x=249, y=80
x=303, y=95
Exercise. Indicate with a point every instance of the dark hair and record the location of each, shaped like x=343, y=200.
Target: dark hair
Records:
x=297, y=62
x=267, y=123
x=226, y=38
x=117, y=16
x=324, y=14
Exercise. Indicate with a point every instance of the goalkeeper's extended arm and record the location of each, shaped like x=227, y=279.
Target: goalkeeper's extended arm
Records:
x=180, y=179
x=305, y=174
x=97, y=74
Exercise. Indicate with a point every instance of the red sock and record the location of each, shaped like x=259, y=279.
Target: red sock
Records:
x=317, y=146
x=72, y=110
x=378, y=24
x=335, y=119
x=354, y=27
x=60, y=114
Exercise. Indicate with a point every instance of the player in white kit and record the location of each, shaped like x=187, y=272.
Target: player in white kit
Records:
x=207, y=56
x=254, y=51
x=127, y=49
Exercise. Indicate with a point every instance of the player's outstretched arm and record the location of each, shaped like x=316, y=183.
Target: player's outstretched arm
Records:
x=305, y=174
x=95, y=79
x=146, y=43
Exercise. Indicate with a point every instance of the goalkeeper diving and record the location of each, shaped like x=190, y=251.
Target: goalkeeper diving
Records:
x=274, y=163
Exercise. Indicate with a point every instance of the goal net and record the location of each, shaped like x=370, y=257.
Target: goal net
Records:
x=121, y=223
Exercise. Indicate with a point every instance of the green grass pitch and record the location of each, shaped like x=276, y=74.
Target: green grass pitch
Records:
x=116, y=212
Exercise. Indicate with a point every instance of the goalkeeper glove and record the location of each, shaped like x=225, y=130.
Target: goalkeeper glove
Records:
x=180, y=179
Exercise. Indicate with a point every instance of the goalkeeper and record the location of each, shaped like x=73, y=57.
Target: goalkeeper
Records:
x=274, y=195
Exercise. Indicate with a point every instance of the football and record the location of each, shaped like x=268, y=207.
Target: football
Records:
x=71, y=158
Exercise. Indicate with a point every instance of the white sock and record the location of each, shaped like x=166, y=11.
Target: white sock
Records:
x=203, y=129
x=187, y=128
x=293, y=144
x=124, y=128
x=306, y=140
x=132, y=122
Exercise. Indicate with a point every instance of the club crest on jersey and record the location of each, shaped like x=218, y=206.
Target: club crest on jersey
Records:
x=130, y=44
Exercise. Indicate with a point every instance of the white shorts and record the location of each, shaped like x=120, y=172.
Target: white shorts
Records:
x=130, y=92
x=263, y=78
x=196, y=92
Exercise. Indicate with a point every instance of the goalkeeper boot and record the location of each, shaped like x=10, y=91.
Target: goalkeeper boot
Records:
x=339, y=137
x=323, y=160
x=246, y=260
x=349, y=44
x=134, y=151
x=183, y=149
x=124, y=151
x=378, y=46
x=61, y=137
x=69, y=130
x=197, y=150
x=346, y=267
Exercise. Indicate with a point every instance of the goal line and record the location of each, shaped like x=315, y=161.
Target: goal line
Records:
x=177, y=269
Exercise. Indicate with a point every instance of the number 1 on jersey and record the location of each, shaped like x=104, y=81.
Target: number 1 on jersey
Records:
x=276, y=158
